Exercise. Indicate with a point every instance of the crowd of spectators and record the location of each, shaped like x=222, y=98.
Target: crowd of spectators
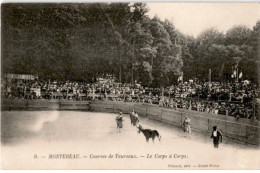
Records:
x=233, y=99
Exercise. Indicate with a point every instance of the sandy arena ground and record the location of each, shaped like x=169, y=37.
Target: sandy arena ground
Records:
x=29, y=138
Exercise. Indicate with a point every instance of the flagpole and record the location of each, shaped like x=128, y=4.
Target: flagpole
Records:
x=182, y=77
x=237, y=74
x=254, y=105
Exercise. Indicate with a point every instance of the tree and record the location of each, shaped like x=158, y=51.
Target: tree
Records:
x=84, y=41
x=238, y=35
x=203, y=55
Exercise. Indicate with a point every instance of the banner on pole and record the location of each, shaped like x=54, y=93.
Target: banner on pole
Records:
x=20, y=76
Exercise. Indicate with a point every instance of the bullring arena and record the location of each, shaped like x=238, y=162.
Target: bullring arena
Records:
x=83, y=135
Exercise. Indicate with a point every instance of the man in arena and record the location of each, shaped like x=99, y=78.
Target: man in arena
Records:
x=217, y=137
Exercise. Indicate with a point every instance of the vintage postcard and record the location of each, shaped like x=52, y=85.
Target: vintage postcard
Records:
x=133, y=85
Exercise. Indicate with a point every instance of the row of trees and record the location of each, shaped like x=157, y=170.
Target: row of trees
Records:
x=83, y=41
x=223, y=52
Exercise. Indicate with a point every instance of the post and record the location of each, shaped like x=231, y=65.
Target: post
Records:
x=208, y=125
x=59, y=104
x=254, y=106
x=124, y=94
x=210, y=75
x=161, y=114
x=120, y=68
x=100, y=92
x=162, y=92
x=132, y=74
x=181, y=119
x=105, y=94
x=182, y=77
x=237, y=74
x=93, y=92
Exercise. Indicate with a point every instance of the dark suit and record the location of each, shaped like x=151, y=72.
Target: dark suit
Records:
x=217, y=137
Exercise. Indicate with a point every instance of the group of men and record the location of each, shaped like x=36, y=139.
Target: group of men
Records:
x=216, y=135
x=133, y=117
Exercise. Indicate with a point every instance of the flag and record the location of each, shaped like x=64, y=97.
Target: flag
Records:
x=179, y=78
x=240, y=74
x=235, y=73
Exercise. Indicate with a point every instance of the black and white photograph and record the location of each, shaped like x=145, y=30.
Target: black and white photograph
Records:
x=130, y=86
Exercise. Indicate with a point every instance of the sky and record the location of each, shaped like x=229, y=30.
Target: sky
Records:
x=194, y=18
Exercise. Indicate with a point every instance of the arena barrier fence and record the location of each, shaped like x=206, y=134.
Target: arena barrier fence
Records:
x=242, y=130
